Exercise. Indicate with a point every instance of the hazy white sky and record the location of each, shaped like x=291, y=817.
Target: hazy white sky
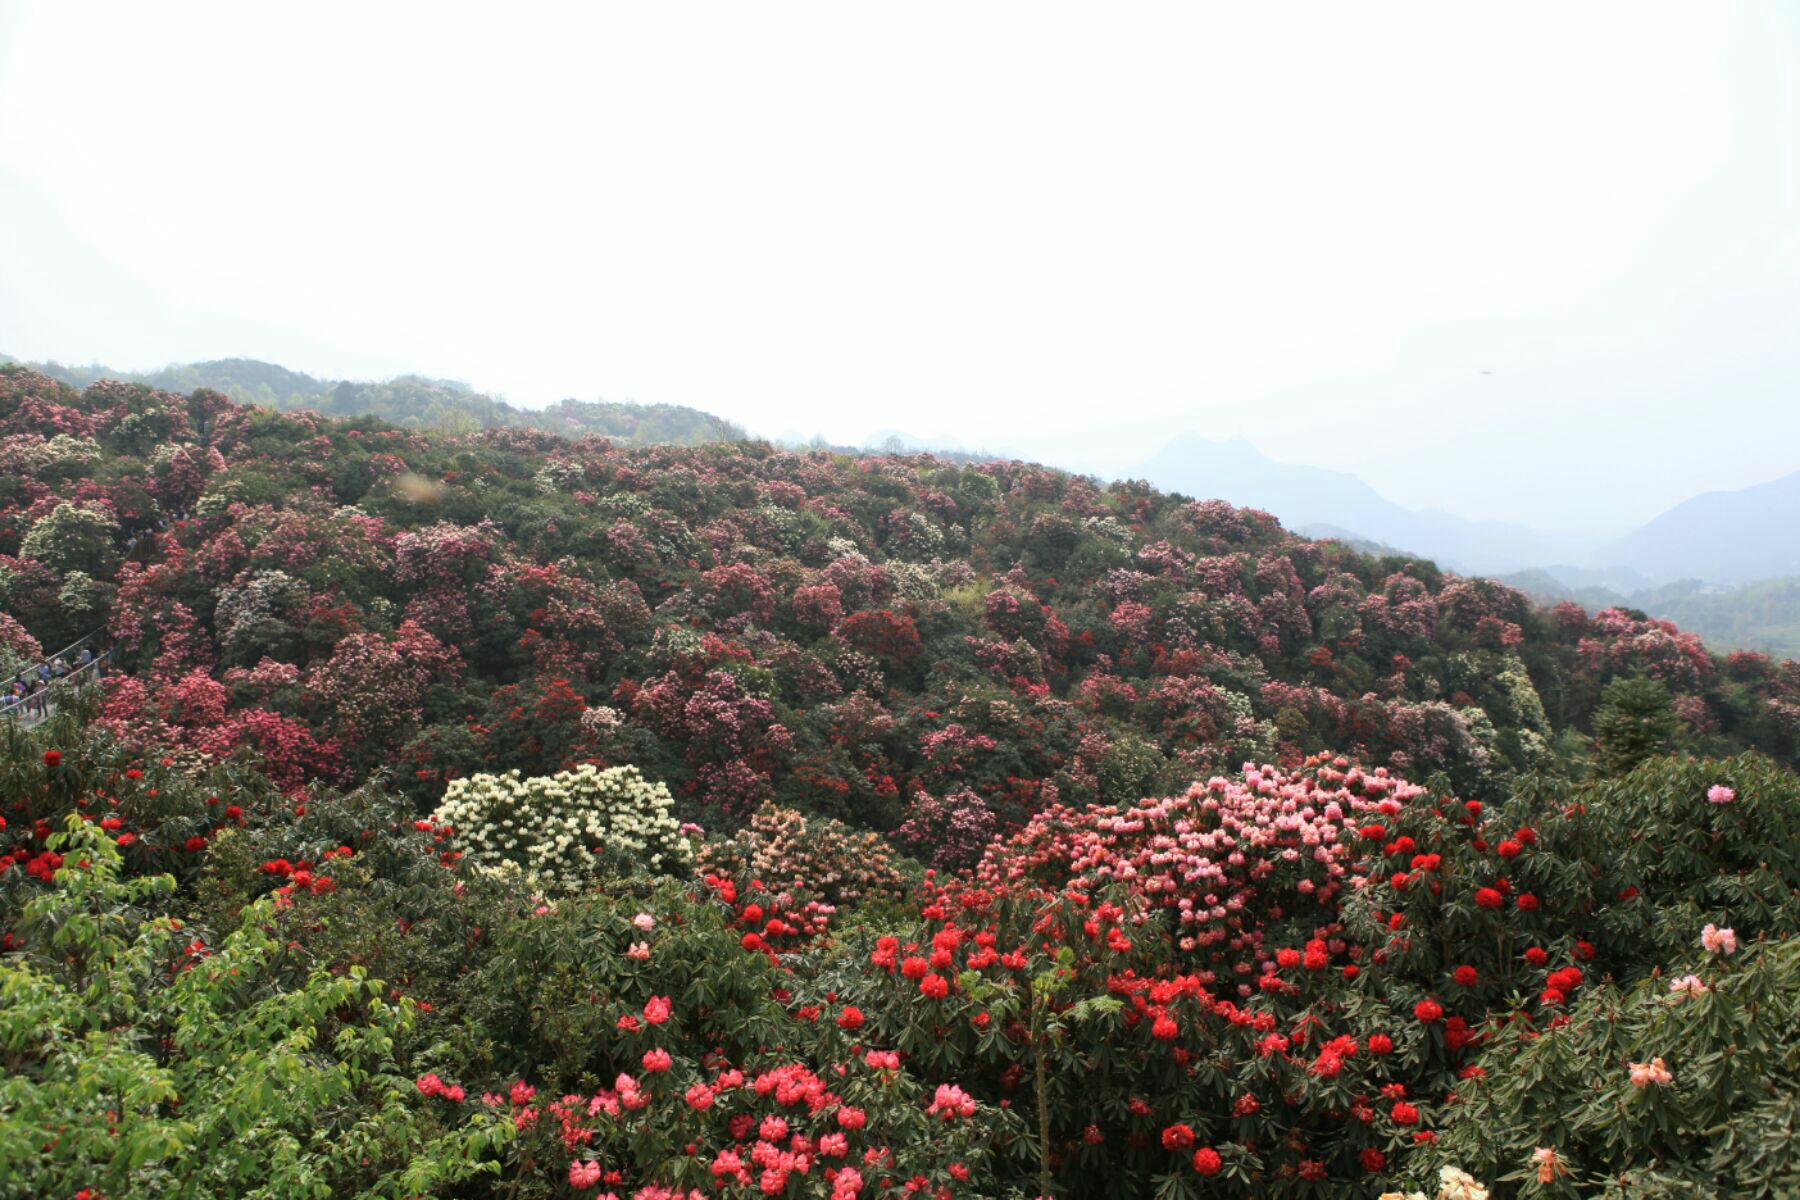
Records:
x=1068, y=231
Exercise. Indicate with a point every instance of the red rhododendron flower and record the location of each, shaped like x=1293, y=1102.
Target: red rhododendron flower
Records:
x=1428, y=1011
x=1465, y=976
x=1178, y=1137
x=1567, y=979
x=52, y=758
x=1207, y=1161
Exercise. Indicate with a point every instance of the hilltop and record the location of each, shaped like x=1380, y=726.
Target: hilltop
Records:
x=412, y=401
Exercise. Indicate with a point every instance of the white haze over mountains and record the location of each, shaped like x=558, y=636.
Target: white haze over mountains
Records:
x=1535, y=263
x=1724, y=537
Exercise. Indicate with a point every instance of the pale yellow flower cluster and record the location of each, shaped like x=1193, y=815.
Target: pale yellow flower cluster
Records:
x=1453, y=1184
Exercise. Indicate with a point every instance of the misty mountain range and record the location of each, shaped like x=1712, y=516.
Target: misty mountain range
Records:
x=1719, y=537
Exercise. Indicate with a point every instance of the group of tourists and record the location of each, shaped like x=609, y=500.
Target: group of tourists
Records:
x=148, y=531
x=27, y=694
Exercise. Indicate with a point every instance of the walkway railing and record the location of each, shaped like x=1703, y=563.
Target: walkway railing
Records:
x=38, y=704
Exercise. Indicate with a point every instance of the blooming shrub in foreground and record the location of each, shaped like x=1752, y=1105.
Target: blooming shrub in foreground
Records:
x=1569, y=990
x=1683, y=1085
x=144, y=1060
x=633, y=1043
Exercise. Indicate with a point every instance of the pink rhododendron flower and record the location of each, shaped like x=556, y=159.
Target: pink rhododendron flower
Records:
x=1718, y=793
x=951, y=1101
x=1688, y=985
x=1718, y=941
x=1654, y=1072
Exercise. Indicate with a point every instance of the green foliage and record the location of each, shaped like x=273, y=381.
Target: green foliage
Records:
x=144, y=1058
x=545, y=1004
x=1129, y=770
x=1635, y=721
x=1724, y=1125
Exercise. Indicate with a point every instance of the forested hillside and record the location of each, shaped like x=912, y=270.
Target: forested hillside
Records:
x=494, y=814
x=413, y=401
x=866, y=638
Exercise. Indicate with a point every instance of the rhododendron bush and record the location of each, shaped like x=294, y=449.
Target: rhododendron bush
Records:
x=557, y=832
x=1682, y=1085
x=816, y=859
x=646, y=1045
x=145, y=1060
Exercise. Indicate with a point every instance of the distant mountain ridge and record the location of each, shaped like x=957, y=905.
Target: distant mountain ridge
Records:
x=1722, y=537
x=1305, y=497
x=414, y=401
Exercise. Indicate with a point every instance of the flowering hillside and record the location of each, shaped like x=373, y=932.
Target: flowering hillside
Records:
x=504, y=816
x=899, y=642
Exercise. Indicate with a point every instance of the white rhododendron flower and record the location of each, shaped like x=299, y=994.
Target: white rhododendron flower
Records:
x=556, y=832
